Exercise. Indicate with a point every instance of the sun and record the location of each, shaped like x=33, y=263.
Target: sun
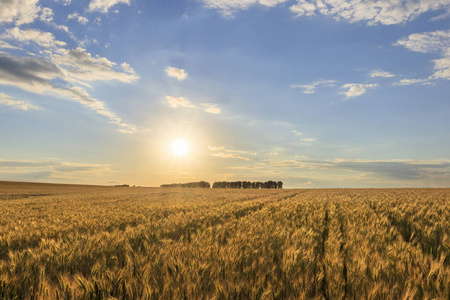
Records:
x=179, y=148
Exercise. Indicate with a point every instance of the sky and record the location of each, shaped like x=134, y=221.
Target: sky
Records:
x=315, y=93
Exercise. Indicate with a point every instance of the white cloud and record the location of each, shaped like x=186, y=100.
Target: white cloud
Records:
x=64, y=2
x=437, y=41
x=18, y=11
x=386, y=12
x=81, y=19
x=308, y=140
x=413, y=81
x=46, y=15
x=310, y=88
x=211, y=108
x=357, y=89
x=17, y=104
x=220, y=151
x=179, y=74
x=429, y=42
x=5, y=45
x=179, y=102
x=228, y=7
x=43, y=169
x=380, y=73
x=81, y=66
x=43, y=39
x=104, y=5
x=36, y=75
x=297, y=133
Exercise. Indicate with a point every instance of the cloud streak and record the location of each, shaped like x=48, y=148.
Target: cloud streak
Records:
x=310, y=88
x=220, y=151
x=17, y=104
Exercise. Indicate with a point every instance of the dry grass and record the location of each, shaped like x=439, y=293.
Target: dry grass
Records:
x=81, y=242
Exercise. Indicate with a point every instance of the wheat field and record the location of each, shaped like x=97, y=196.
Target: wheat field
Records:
x=93, y=242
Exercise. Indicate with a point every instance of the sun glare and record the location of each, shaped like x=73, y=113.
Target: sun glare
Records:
x=180, y=148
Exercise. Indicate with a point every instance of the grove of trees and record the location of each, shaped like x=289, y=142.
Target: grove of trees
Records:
x=199, y=184
x=248, y=185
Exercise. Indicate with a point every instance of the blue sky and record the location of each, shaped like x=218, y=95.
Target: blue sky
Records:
x=316, y=93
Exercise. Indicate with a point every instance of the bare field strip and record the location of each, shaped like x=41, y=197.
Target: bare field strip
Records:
x=92, y=242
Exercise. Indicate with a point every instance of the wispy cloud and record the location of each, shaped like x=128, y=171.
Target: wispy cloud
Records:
x=41, y=38
x=228, y=7
x=211, y=108
x=104, y=5
x=17, y=104
x=380, y=73
x=176, y=102
x=297, y=133
x=45, y=169
x=179, y=74
x=5, y=45
x=310, y=88
x=396, y=169
x=407, y=81
x=308, y=140
x=220, y=151
x=36, y=75
x=81, y=19
x=372, y=12
x=357, y=89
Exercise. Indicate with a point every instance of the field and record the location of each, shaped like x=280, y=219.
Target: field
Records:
x=88, y=242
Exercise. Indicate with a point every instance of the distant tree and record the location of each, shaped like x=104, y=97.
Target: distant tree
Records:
x=279, y=184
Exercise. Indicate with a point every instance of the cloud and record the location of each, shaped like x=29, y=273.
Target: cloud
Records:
x=103, y=5
x=228, y=7
x=413, y=81
x=437, y=41
x=297, y=133
x=309, y=140
x=36, y=75
x=41, y=38
x=45, y=169
x=380, y=73
x=17, y=104
x=5, y=45
x=211, y=108
x=372, y=12
x=430, y=42
x=400, y=169
x=245, y=168
x=229, y=155
x=179, y=102
x=64, y=2
x=311, y=87
x=220, y=151
x=81, y=66
x=81, y=19
x=357, y=89
x=18, y=11
x=46, y=14
x=179, y=74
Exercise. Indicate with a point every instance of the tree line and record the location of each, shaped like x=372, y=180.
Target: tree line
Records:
x=199, y=184
x=248, y=185
x=229, y=185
